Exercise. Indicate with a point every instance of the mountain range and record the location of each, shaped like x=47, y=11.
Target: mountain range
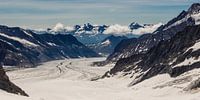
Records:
x=94, y=35
x=25, y=48
x=172, y=48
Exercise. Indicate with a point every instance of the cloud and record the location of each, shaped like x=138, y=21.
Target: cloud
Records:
x=146, y=29
x=124, y=30
x=117, y=29
x=59, y=27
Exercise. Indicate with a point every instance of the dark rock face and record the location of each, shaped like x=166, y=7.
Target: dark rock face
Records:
x=88, y=27
x=76, y=27
x=102, y=28
x=166, y=57
x=8, y=86
x=194, y=8
x=134, y=25
x=26, y=49
x=145, y=42
x=5, y=83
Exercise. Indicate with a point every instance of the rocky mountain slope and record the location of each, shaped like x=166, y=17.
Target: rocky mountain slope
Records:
x=145, y=42
x=175, y=56
x=5, y=83
x=26, y=49
x=107, y=46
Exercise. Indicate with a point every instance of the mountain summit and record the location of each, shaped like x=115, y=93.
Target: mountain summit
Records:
x=195, y=8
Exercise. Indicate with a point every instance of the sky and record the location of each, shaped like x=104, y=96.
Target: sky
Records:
x=46, y=13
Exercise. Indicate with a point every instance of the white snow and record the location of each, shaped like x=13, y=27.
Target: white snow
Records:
x=51, y=44
x=107, y=42
x=146, y=29
x=23, y=41
x=178, y=22
x=59, y=27
x=195, y=47
x=6, y=42
x=124, y=30
x=189, y=61
x=115, y=29
x=70, y=80
x=27, y=33
x=196, y=18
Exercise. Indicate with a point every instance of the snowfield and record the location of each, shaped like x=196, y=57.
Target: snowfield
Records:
x=70, y=79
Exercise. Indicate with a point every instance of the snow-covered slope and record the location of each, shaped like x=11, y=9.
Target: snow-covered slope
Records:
x=107, y=46
x=70, y=80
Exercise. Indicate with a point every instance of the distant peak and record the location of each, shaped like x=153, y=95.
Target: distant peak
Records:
x=134, y=25
x=195, y=8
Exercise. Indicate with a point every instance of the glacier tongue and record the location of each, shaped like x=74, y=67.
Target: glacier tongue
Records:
x=68, y=80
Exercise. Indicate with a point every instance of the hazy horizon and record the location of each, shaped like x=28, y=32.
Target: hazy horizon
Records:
x=46, y=13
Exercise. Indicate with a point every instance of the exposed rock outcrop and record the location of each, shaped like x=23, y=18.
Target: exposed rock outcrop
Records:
x=5, y=83
x=193, y=85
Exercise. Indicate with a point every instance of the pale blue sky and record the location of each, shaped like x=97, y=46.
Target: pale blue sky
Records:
x=46, y=13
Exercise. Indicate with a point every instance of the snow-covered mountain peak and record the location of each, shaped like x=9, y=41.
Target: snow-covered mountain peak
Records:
x=115, y=29
x=194, y=13
x=91, y=33
x=89, y=29
x=135, y=25
x=195, y=8
x=187, y=18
